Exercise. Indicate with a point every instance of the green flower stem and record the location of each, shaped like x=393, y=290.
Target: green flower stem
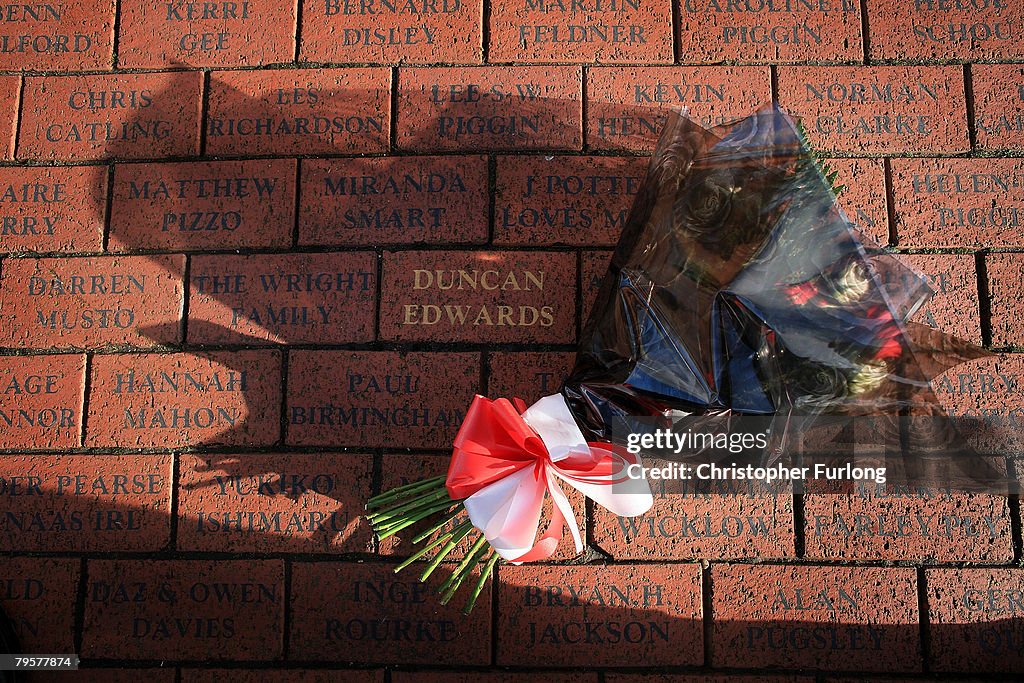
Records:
x=484, y=575
x=423, y=551
x=410, y=507
x=418, y=512
x=440, y=525
x=405, y=503
x=451, y=585
x=403, y=491
x=456, y=538
x=391, y=530
x=400, y=508
x=411, y=499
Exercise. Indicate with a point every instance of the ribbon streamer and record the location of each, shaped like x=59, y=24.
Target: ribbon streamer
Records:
x=507, y=459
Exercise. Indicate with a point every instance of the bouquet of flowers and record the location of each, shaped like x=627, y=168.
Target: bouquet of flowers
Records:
x=738, y=287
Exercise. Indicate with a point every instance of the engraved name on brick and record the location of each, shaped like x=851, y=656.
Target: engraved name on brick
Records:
x=627, y=106
x=178, y=399
x=390, y=31
x=725, y=519
x=564, y=200
x=581, y=30
x=284, y=298
x=394, y=200
x=946, y=29
x=299, y=111
x=38, y=596
x=187, y=609
x=770, y=30
x=203, y=205
x=372, y=615
x=822, y=617
x=55, y=36
x=899, y=522
x=286, y=503
x=52, y=209
x=587, y=615
x=998, y=105
x=378, y=399
x=84, y=502
x=41, y=401
x=490, y=108
x=958, y=202
x=478, y=296
x=878, y=108
x=88, y=302
x=99, y=116
x=155, y=33
x=974, y=617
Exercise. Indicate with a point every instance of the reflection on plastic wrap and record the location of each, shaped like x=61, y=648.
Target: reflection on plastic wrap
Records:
x=740, y=288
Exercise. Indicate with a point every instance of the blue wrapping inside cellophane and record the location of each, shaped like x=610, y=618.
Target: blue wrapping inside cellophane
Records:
x=740, y=287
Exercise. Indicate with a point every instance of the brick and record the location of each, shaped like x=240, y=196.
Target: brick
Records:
x=954, y=306
x=868, y=521
x=714, y=520
x=811, y=32
x=92, y=302
x=830, y=679
x=309, y=503
x=593, y=268
x=557, y=31
x=845, y=618
x=704, y=678
x=387, y=33
x=183, y=399
x=103, y=116
x=998, y=105
x=478, y=296
x=864, y=197
x=378, y=399
x=526, y=375
x=1005, y=273
x=626, y=107
x=299, y=111
x=52, y=209
x=371, y=615
x=54, y=503
x=41, y=401
x=946, y=30
x=184, y=609
x=68, y=37
x=986, y=399
x=492, y=677
x=974, y=619
x=283, y=298
x=878, y=109
x=394, y=200
x=281, y=676
x=195, y=206
x=614, y=615
x=582, y=201
x=154, y=34
x=10, y=100
x=958, y=202
x=38, y=596
x=493, y=108
x=119, y=675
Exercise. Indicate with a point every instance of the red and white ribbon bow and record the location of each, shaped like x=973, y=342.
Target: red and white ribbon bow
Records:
x=504, y=462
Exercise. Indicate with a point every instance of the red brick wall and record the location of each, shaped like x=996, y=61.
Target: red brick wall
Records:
x=220, y=334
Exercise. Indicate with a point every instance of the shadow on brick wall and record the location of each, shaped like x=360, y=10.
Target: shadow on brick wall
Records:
x=264, y=558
